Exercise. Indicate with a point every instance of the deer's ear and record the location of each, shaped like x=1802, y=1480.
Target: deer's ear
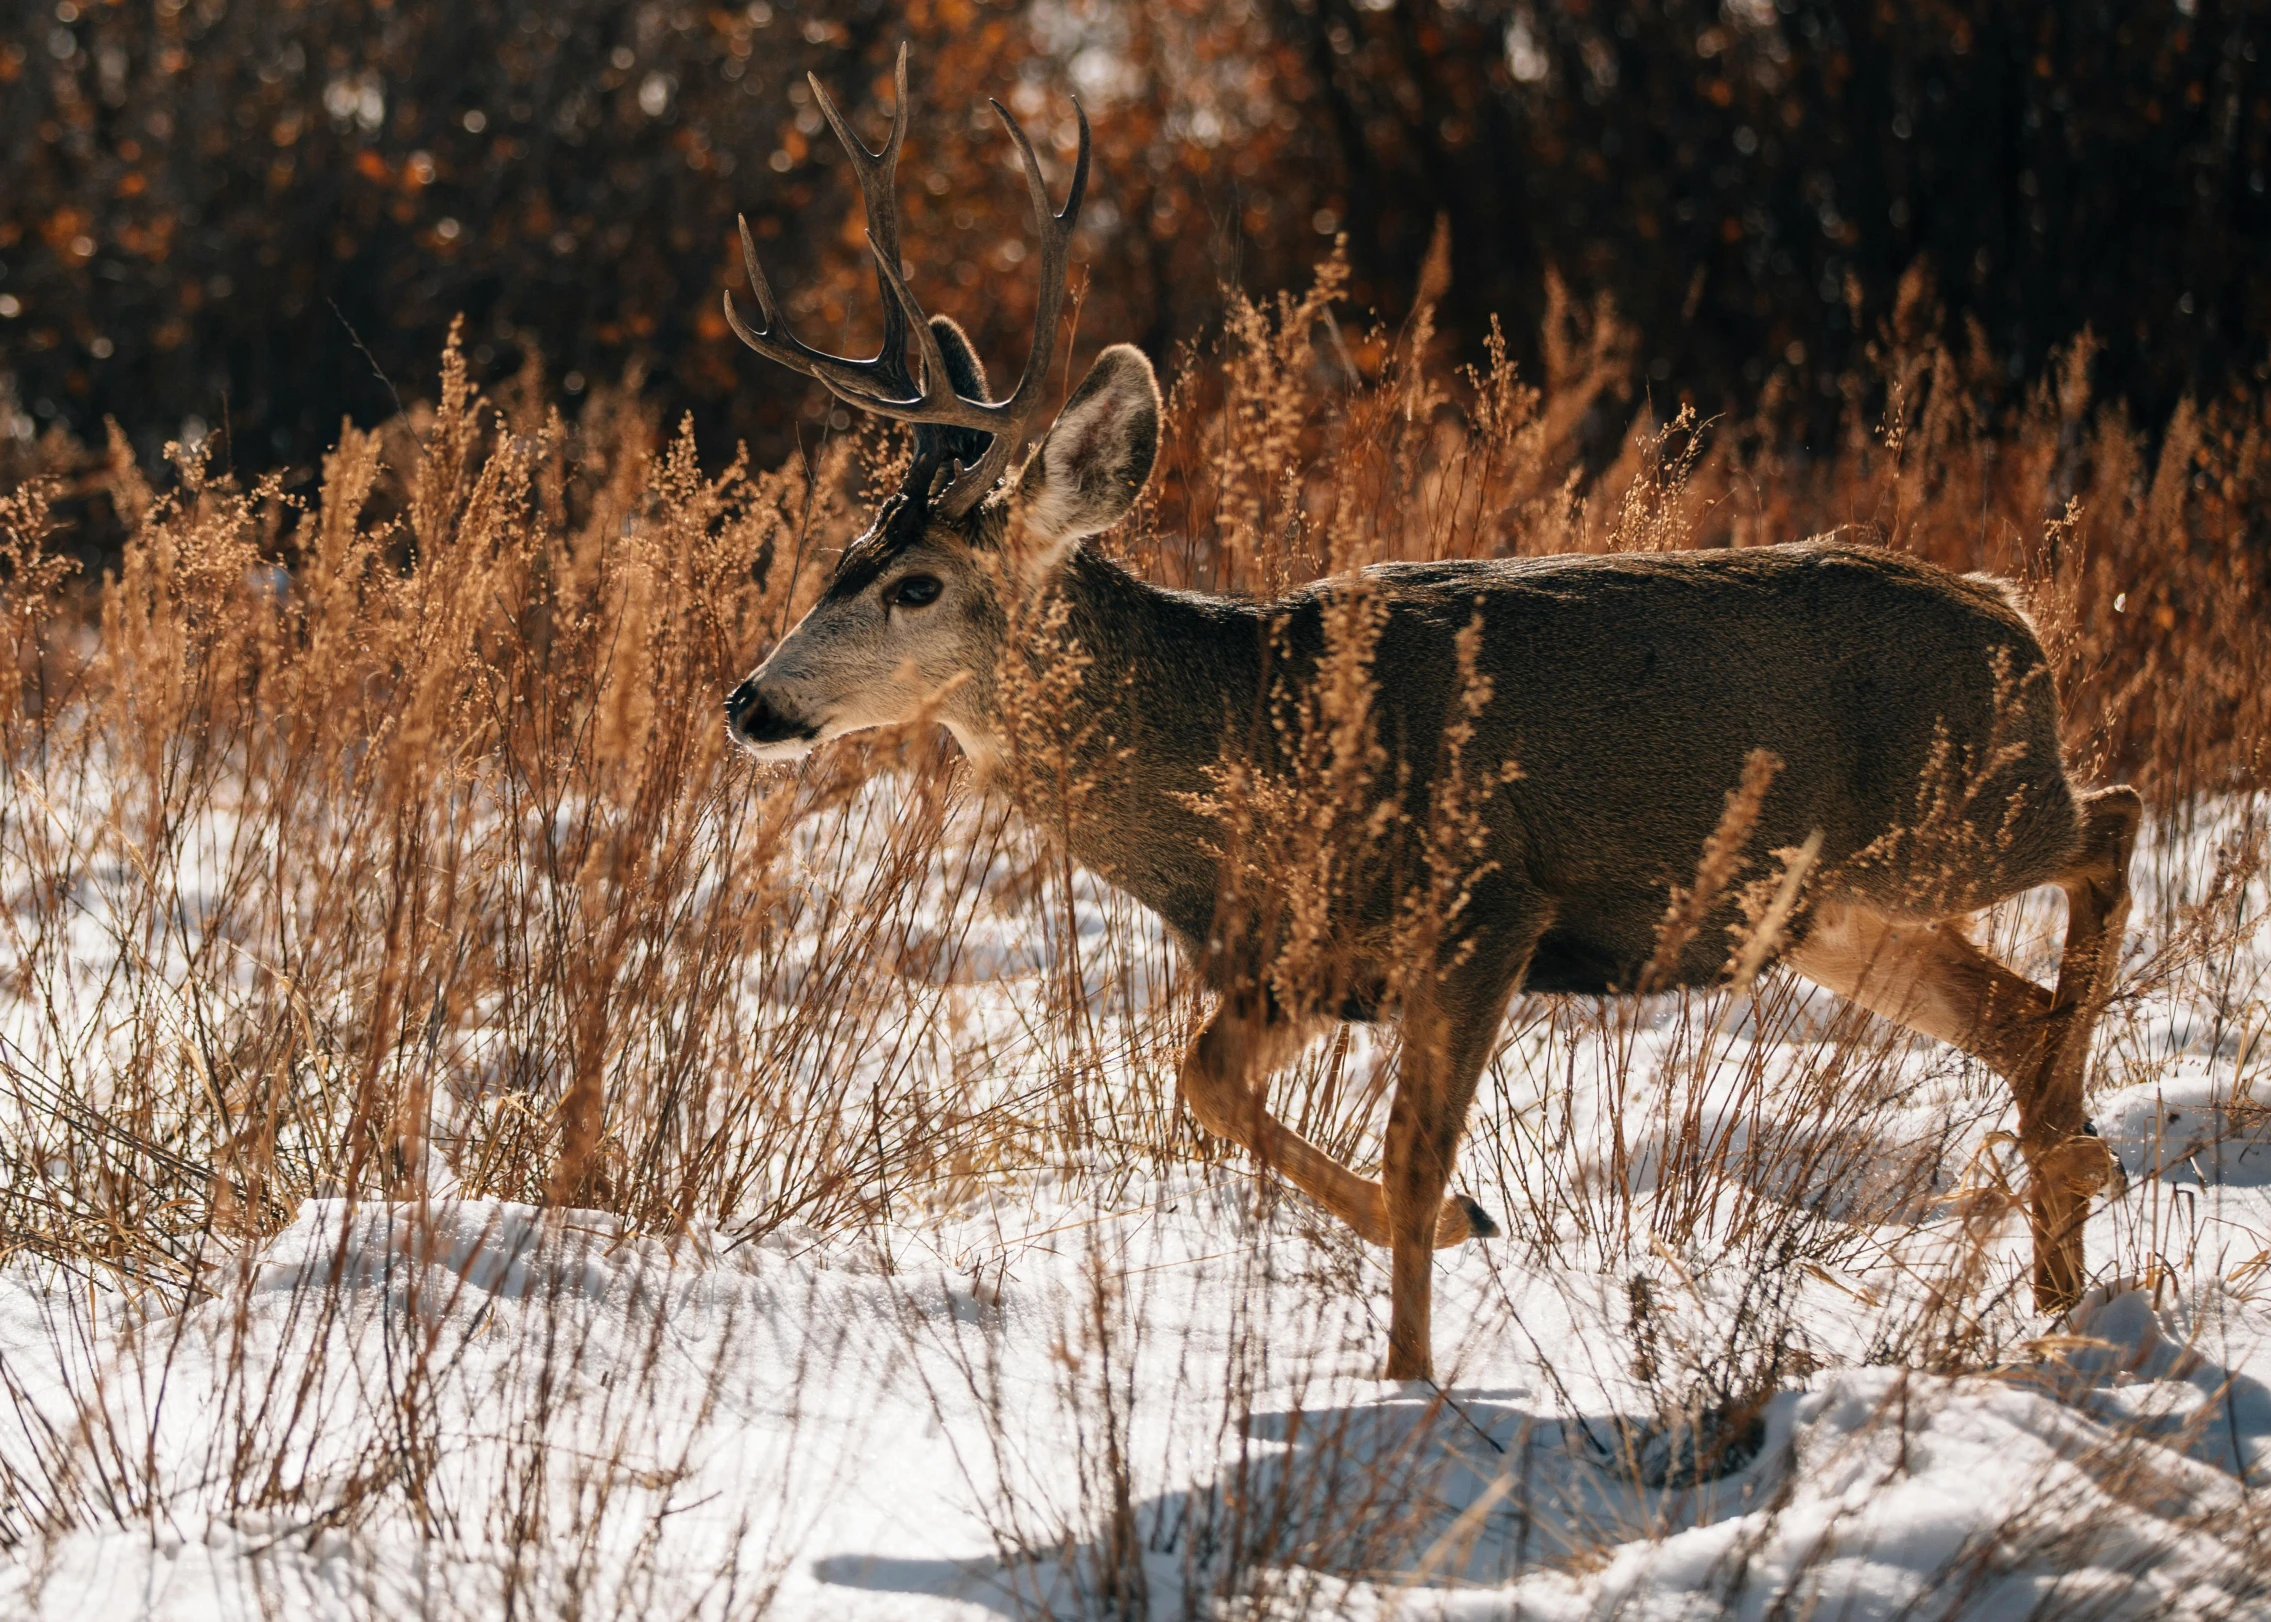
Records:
x=1094, y=462
x=963, y=367
x=967, y=374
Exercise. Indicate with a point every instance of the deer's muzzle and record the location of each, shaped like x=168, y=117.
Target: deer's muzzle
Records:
x=757, y=724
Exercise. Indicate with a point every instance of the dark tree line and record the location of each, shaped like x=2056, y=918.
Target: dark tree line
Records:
x=1742, y=176
x=264, y=213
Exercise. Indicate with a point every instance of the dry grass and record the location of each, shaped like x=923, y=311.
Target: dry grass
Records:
x=381, y=845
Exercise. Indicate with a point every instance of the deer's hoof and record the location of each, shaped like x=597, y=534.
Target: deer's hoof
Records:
x=2084, y=1165
x=1479, y=1223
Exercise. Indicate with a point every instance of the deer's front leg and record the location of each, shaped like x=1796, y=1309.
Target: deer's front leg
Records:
x=1448, y=1033
x=1221, y=1079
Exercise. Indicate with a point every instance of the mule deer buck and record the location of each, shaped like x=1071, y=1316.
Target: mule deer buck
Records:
x=1911, y=711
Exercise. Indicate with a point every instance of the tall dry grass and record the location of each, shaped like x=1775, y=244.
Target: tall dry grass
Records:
x=378, y=842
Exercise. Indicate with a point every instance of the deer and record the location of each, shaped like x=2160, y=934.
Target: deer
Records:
x=1626, y=691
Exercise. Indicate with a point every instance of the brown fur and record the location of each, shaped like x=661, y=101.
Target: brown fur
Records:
x=1909, y=710
x=1913, y=715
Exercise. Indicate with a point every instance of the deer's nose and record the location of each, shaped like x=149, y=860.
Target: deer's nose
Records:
x=750, y=717
x=738, y=703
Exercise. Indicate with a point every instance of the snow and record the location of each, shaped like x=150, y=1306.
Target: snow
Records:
x=1070, y=1394
x=2190, y=1129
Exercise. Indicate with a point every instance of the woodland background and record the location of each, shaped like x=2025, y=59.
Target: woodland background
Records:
x=256, y=219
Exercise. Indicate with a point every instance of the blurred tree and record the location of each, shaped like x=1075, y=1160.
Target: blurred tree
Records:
x=1747, y=177
x=268, y=213
x=265, y=213
x=263, y=216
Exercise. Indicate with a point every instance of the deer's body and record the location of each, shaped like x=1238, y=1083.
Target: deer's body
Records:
x=1628, y=688
x=1909, y=713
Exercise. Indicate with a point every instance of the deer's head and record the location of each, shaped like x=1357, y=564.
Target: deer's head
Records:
x=915, y=612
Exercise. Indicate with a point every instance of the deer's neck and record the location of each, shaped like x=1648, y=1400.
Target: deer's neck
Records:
x=1170, y=679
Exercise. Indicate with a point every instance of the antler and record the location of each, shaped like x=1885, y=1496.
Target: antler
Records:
x=877, y=173
x=882, y=384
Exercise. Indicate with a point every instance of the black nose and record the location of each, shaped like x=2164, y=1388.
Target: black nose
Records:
x=753, y=720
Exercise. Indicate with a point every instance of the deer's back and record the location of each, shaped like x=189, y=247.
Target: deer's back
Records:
x=1912, y=711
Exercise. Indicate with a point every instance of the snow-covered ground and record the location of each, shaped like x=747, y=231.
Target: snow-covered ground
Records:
x=1156, y=1393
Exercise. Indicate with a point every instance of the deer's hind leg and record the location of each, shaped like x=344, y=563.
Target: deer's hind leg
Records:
x=1222, y=1079
x=2066, y=1164
x=1928, y=977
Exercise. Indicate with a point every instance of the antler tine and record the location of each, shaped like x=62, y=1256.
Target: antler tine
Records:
x=1005, y=420
x=876, y=170
x=878, y=176
x=844, y=377
x=882, y=385
x=1055, y=231
x=767, y=312
x=856, y=382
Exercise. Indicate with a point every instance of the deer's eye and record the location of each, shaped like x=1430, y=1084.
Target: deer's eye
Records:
x=912, y=591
